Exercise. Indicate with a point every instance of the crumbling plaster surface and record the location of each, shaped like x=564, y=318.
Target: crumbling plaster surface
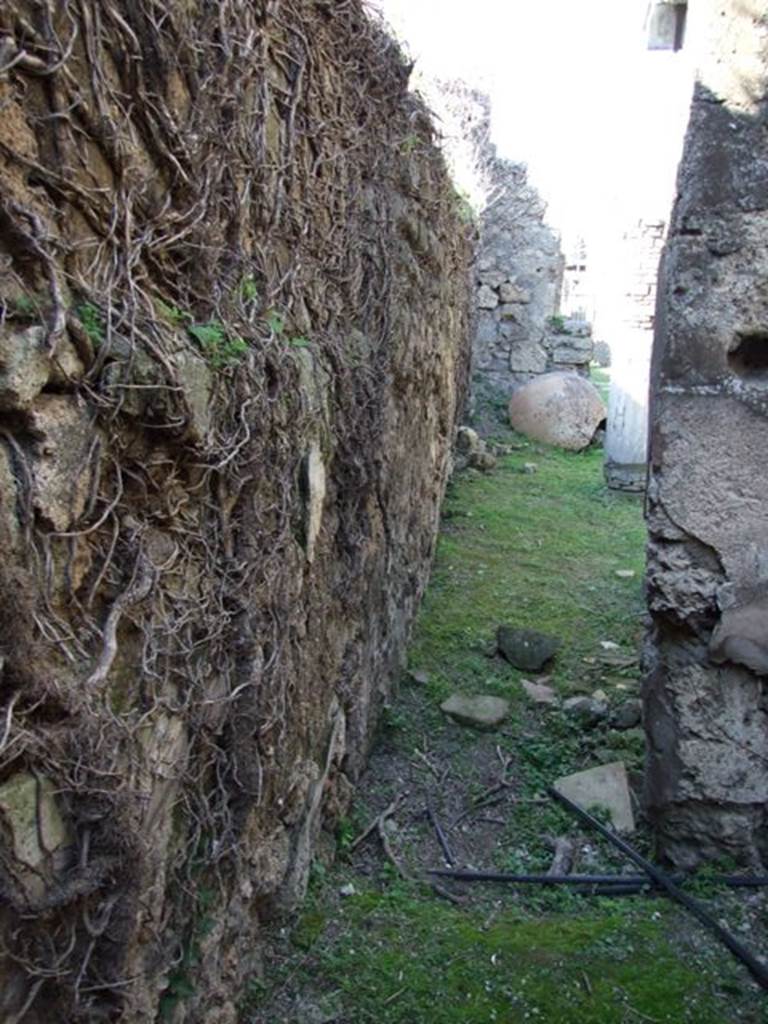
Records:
x=707, y=654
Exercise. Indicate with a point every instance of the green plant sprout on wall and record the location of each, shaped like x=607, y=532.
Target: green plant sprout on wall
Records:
x=465, y=210
x=24, y=307
x=181, y=981
x=249, y=291
x=557, y=323
x=172, y=313
x=93, y=322
x=410, y=144
x=275, y=322
x=218, y=347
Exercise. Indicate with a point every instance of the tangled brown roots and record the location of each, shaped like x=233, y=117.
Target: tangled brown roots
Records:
x=221, y=214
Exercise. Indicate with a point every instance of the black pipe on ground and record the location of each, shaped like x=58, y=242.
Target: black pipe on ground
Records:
x=634, y=882
x=756, y=967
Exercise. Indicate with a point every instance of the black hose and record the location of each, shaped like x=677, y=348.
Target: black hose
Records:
x=441, y=836
x=756, y=967
x=634, y=882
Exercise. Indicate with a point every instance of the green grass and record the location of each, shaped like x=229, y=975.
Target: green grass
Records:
x=601, y=378
x=404, y=960
x=538, y=550
x=398, y=956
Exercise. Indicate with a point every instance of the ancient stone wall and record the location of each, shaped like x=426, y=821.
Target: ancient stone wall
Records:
x=235, y=294
x=519, y=270
x=519, y=273
x=706, y=712
x=519, y=277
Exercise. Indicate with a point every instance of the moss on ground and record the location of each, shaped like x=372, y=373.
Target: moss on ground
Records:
x=537, y=549
x=399, y=959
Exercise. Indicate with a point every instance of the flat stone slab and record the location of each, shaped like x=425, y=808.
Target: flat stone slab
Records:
x=539, y=693
x=603, y=787
x=417, y=676
x=480, y=712
x=525, y=648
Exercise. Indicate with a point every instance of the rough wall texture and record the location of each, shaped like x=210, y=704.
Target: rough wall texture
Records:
x=235, y=294
x=519, y=270
x=519, y=276
x=707, y=657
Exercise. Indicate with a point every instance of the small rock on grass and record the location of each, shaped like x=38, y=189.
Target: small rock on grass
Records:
x=525, y=648
x=483, y=460
x=627, y=686
x=625, y=574
x=505, y=449
x=309, y=1012
x=587, y=711
x=468, y=441
x=480, y=712
x=627, y=715
x=616, y=659
x=539, y=693
x=581, y=688
x=417, y=676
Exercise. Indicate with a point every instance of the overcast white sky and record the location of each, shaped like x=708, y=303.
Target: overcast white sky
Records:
x=575, y=93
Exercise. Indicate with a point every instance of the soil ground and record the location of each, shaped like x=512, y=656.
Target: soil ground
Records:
x=536, y=543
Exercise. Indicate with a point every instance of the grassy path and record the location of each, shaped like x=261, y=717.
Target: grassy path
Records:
x=539, y=549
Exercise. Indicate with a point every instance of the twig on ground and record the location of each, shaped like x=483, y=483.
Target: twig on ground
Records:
x=378, y=821
x=441, y=836
x=439, y=776
x=496, y=910
x=505, y=760
x=562, y=861
x=394, y=996
x=487, y=800
x=642, y=1016
x=380, y=825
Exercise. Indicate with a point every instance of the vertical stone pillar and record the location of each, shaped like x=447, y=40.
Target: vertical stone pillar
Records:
x=632, y=339
x=706, y=664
